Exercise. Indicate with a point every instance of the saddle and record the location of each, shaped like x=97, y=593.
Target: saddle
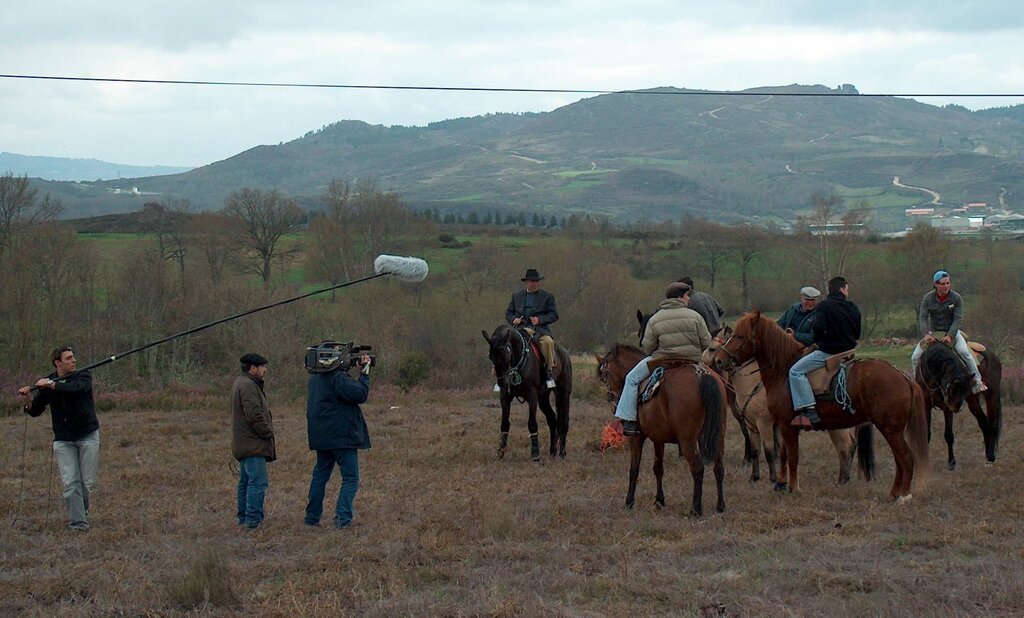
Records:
x=821, y=379
x=649, y=387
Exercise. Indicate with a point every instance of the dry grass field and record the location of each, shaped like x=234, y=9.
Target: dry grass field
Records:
x=443, y=528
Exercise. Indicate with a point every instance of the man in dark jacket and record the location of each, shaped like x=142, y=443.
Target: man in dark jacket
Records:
x=337, y=430
x=798, y=320
x=535, y=308
x=836, y=330
x=706, y=305
x=76, y=430
x=252, y=438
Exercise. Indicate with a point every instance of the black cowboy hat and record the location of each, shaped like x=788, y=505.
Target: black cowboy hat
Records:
x=531, y=275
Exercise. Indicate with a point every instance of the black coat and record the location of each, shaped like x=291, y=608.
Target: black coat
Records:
x=836, y=324
x=71, y=406
x=542, y=305
x=333, y=417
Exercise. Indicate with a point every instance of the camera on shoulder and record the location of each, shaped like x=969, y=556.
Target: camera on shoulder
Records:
x=328, y=356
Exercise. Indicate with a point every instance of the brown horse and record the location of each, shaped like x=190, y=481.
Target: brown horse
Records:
x=688, y=410
x=878, y=392
x=750, y=406
x=518, y=370
x=947, y=383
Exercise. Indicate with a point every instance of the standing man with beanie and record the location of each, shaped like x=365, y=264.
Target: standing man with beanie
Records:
x=535, y=309
x=76, y=430
x=337, y=430
x=252, y=438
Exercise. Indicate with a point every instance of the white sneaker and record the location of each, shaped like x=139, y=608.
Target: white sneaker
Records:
x=979, y=387
x=550, y=383
x=497, y=388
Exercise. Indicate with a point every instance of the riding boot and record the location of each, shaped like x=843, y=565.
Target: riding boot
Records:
x=534, y=447
x=630, y=428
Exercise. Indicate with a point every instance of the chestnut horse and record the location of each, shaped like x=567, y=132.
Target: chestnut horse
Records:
x=750, y=407
x=519, y=375
x=878, y=392
x=688, y=410
x=947, y=383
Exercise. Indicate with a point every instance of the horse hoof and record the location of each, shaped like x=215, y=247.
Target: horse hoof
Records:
x=501, y=453
x=903, y=499
x=629, y=505
x=951, y=466
x=780, y=487
x=696, y=513
x=720, y=508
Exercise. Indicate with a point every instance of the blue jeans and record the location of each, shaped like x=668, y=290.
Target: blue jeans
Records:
x=77, y=462
x=347, y=460
x=799, y=386
x=252, y=488
x=626, y=408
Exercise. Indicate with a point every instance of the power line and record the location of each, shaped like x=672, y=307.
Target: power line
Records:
x=718, y=93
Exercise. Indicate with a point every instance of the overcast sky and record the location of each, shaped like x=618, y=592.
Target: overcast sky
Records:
x=918, y=47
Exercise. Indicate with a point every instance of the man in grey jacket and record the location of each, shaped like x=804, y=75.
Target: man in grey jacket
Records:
x=674, y=331
x=252, y=438
x=706, y=305
x=942, y=311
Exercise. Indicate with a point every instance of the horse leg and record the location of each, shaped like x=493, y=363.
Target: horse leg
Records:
x=636, y=451
x=904, y=463
x=532, y=426
x=755, y=460
x=659, y=472
x=994, y=407
x=549, y=415
x=791, y=454
x=951, y=462
x=689, y=450
x=720, y=479
x=974, y=405
x=506, y=404
x=766, y=430
x=845, y=444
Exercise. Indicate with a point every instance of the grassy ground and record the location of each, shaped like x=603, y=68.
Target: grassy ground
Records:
x=444, y=528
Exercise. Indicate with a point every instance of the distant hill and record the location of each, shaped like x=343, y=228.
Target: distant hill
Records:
x=654, y=155
x=57, y=168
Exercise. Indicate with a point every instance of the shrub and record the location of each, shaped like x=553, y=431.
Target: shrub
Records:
x=208, y=582
x=412, y=369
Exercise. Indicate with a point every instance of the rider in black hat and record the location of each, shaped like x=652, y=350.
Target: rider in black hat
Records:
x=535, y=308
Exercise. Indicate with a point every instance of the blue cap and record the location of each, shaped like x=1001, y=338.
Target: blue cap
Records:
x=939, y=274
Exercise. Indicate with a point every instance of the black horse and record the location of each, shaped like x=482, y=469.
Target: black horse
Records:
x=947, y=383
x=750, y=452
x=518, y=368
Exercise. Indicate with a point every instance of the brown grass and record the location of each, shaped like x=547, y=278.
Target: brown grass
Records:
x=443, y=528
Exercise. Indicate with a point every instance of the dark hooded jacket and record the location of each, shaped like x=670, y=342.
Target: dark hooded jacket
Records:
x=333, y=417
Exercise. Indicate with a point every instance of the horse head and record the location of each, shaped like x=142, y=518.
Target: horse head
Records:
x=718, y=339
x=500, y=350
x=613, y=367
x=942, y=370
x=739, y=347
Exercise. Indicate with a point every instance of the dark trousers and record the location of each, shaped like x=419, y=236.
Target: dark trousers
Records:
x=347, y=460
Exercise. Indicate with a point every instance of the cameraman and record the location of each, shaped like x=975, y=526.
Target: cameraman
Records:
x=337, y=430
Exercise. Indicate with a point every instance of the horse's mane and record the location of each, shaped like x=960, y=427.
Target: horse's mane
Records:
x=618, y=348
x=780, y=349
x=939, y=358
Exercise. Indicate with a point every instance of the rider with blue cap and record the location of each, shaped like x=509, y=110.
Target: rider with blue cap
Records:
x=942, y=311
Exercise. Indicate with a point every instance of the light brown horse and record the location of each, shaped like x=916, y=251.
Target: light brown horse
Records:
x=879, y=394
x=688, y=410
x=750, y=406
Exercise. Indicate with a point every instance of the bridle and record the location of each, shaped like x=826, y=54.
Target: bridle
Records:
x=514, y=375
x=734, y=357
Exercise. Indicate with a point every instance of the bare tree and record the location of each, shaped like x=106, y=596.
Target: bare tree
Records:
x=211, y=234
x=712, y=241
x=20, y=207
x=825, y=246
x=262, y=218
x=746, y=245
x=168, y=222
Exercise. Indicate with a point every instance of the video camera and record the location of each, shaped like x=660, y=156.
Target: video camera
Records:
x=330, y=355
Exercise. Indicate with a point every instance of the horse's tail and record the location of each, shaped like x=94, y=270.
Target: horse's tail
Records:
x=714, y=415
x=995, y=398
x=917, y=434
x=866, y=450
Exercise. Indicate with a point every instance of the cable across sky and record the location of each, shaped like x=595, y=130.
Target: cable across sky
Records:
x=725, y=93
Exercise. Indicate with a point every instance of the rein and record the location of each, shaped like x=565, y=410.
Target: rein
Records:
x=514, y=375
